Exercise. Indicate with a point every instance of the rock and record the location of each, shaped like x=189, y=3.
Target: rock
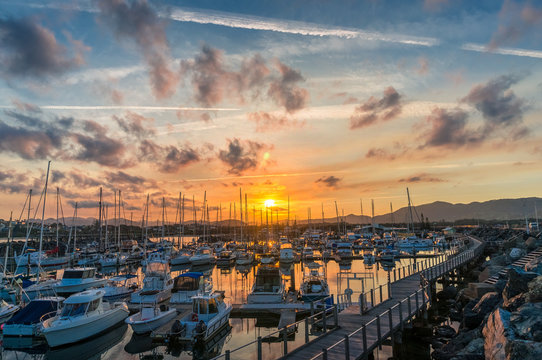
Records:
x=457, y=344
x=496, y=333
x=449, y=292
x=524, y=350
x=535, y=265
x=499, y=285
x=473, y=316
x=514, y=303
x=535, y=290
x=517, y=283
x=531, y=243
x=527, y=321
x=489, y=271
x=474, y=349
x=445, y=331
x=516, y=253
x=477, y=290
x=455, y=315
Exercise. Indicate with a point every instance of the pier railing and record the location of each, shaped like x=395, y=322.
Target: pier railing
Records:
x=281, y=342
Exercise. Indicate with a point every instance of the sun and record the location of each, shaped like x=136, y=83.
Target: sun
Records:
x=269, y=203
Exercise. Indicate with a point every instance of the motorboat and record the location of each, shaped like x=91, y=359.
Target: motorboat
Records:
x=27, y=322
x=155, y=256
x=387, y=255
x=245, y=258
x=413, y=243
x=344, y=251
x=113, y=259
x=35, y=258
x=308, y=253
x=286, y=255
x=182, y=258
x=226, y=258
x=210, y=313
x=314, y=286
x=267, y=259
x=187, y=285
x=88, y=259
x=157, y=286
x=150, y=318
x=40, y=289
x=7, y=311
x=118, y=288
x=78, y=279
x=368, y=258
x=83, y=316
x=268, y=287
x=203, y=256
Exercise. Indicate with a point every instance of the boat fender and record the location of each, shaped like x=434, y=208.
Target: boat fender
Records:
x=194, y=317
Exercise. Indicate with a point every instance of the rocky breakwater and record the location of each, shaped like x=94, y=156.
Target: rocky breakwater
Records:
x=500, y=321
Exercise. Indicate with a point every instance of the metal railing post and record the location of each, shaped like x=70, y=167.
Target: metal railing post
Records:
x=417, y=302
x=394, y=275
x=285, y=341
x=381, y=300
x=346, y=347
x=259, y=348
x=401, y=314
x=227, y=357
x=390, y=318
x=389, y=291
x=379, y=335
x=324, y=321
x=409, y=306
x=372, y=298
x=364, y=335
x=324, y=354
x=306, y=330
x=336, y=315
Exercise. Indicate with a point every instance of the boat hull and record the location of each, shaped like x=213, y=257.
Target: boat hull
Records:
x=146, y=326
x=74, y=331
x=66, y=289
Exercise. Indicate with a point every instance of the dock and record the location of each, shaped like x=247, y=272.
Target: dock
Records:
x=366, y=322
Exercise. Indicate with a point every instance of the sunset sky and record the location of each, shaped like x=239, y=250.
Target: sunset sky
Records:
x=320, y=100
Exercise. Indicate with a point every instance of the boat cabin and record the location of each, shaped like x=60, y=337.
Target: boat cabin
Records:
x=79, y=273
x=189, y=281
x=267, y=280
x=82, y=303
x=205, y=307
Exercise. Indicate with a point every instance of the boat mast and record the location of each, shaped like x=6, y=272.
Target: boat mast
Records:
x=106, y=225
x=8, y=244
x=100, y=219
x=146, y=226
x=410, y=212
x=241, y=212
x=323, y=221
x=118, y=232
x=75, y=230
x=391, y=213
x=57, y=201
x=338, y=223
x=43, y=217
x=361, y=208
x=163, y=217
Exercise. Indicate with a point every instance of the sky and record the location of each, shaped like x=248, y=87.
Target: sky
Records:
x=318, y=101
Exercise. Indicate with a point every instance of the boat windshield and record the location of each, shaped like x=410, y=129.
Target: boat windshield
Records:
x=71, y=310
x=186, y=283
x=199, y=306
x=268, y=280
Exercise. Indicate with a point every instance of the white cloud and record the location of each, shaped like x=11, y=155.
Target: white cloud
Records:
x=502, y=51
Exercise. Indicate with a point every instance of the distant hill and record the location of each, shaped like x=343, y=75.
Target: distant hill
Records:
x=502, y=209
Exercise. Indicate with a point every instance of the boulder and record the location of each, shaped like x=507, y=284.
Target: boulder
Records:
x=531, y=243
x=496, y=333
x=535, y=265
x=535, y=290
x=489, y=271
x=449, y=292
x=527, y=322
x=473, y=350
x=517, y=283
x=445, y=331
x=473, y=315
x=516, y=253
x=477, y=290
x=457, y=344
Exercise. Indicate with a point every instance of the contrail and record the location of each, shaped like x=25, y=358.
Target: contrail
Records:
x=146, y=108
x=502, y=51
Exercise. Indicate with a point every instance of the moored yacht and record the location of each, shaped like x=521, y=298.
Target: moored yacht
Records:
x=268, y=287
x=209, y=314
x=314, y=285
x=7, y=311
x=286, y=254
x=150, y=318
x=84, y=315
x=187, y=285
x=78, y=279
x=182, y=258
x=203, y=256
x=27, y=322
x=118, y=288
x=157, y=286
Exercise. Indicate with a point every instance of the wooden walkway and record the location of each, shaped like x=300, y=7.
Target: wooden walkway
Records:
x=360, y=332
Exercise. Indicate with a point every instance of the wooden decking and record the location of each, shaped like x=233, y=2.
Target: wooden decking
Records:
x=358, y=334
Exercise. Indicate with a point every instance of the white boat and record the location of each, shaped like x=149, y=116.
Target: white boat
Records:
x=150, y=318
x=182, y=258
x=226, y=258
x=88, y=259
x=245, y=258
x=33, y=258
x=344, y=251
x=268, y=287
x=413, y=243
x=118, y=288
x=387, y=255
x=113, y=259
x=41, y=289
x=203, y=256
x=368, y=258
x=78, y=279
x=314, y=286
x=27, y=322
x=187, y=285
x=209, y=314
x=7, y=311
x=155, y=256
x=308, y=253
x=156, y=288
x=286, y=255
x=84, y=315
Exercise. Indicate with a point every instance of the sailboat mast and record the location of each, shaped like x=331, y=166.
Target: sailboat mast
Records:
x=373, y=214
x=118, y=231
x=163, y=217
x=75, y=232
x=361, y=209
x=391, y=213
x=338, y=223
x=7, y=247
x=241, y=211
x=106, y=225
x=100, y=219
x=410, y=212
x=57, y=206
x=43, y=217
x=146, y=226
